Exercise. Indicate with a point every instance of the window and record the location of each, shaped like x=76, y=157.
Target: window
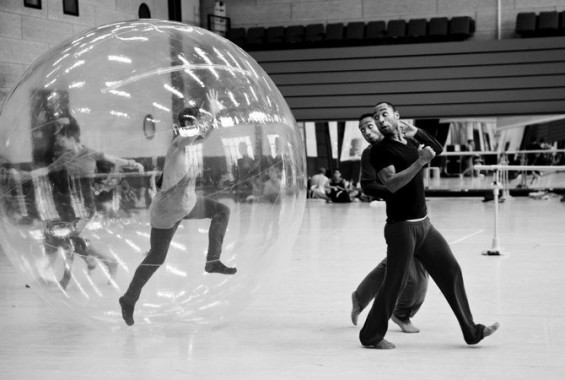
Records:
x=32, y=4
x=144, y=11
x=70, y=7
x=149, y=127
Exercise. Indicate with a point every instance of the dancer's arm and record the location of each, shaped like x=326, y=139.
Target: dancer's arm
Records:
x=410, y=130
x=394, y=181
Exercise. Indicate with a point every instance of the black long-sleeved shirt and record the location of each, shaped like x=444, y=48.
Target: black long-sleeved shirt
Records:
x=369, y=180
x=408, y=202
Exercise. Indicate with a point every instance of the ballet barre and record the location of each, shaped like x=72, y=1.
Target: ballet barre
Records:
x=521, y=168
x=495, y=249
x=494, y=153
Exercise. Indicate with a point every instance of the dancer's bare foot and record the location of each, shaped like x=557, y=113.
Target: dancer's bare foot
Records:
x=382, y=345
x=489, y=330
x=127, y=311
x=217, y=266
x=405, y=325
x=355, y=309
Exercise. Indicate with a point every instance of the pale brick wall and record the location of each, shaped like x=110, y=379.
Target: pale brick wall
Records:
x=247, y=13
x=27, y=33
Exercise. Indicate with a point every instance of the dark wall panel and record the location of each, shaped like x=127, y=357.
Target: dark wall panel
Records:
x=417, y=74
x=459, y=79
x=439, y=85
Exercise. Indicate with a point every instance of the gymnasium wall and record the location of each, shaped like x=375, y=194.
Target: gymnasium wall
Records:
x=248, y=13
x=27, y=33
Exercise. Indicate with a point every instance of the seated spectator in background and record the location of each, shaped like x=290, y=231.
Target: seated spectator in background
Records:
x=363, y=197
x=272, y=187
x=245, y=172
x=471, y=161
x=270, y=193
x=115, y=197
x=489, y=195
x=128, y=197
x=537, y=157
x=106, y=200
x=319, y=185
x=532, y=157
x=341, y=191
x=141, y=198
x=558, y=159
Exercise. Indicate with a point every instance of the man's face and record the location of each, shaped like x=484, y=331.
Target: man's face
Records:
x=53, y=100
x=63, y=142
x=386, y=119
x=189, y=127
x=369, y=130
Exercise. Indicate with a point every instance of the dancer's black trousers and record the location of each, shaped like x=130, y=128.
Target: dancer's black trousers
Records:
x=406, y=240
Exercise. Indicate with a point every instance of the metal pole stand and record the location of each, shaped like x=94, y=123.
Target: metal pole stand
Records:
x=495, y=250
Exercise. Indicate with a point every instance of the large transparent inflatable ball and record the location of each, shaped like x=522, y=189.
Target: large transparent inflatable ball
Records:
x=151, y=160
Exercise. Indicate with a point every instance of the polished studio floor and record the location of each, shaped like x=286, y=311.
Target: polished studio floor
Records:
x=299, y=327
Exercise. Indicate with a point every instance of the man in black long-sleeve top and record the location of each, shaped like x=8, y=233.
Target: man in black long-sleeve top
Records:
x=414, y=291
x=398, y=160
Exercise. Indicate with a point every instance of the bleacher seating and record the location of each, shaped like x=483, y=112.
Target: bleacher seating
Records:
x=396, y=30
x=438, y=28
x=526, y=23
x=354, y=33
x=461, y=28
x=417, y=30
x=275, y=37
x=294, y=36
x=334, y=34
x=237, y=36
x=548, y=23
x=255, y=38
x=315, y=34
x=543, y=24
x=359, y=33
x=375, y=32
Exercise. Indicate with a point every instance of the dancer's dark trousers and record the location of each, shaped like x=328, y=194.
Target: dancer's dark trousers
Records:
x=160, y=241
x=406, y=240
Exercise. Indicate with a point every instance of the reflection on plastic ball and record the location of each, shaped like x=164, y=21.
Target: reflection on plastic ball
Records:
x=137, y=125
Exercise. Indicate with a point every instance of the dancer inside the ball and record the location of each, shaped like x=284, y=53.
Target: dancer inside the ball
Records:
x=177, y=200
